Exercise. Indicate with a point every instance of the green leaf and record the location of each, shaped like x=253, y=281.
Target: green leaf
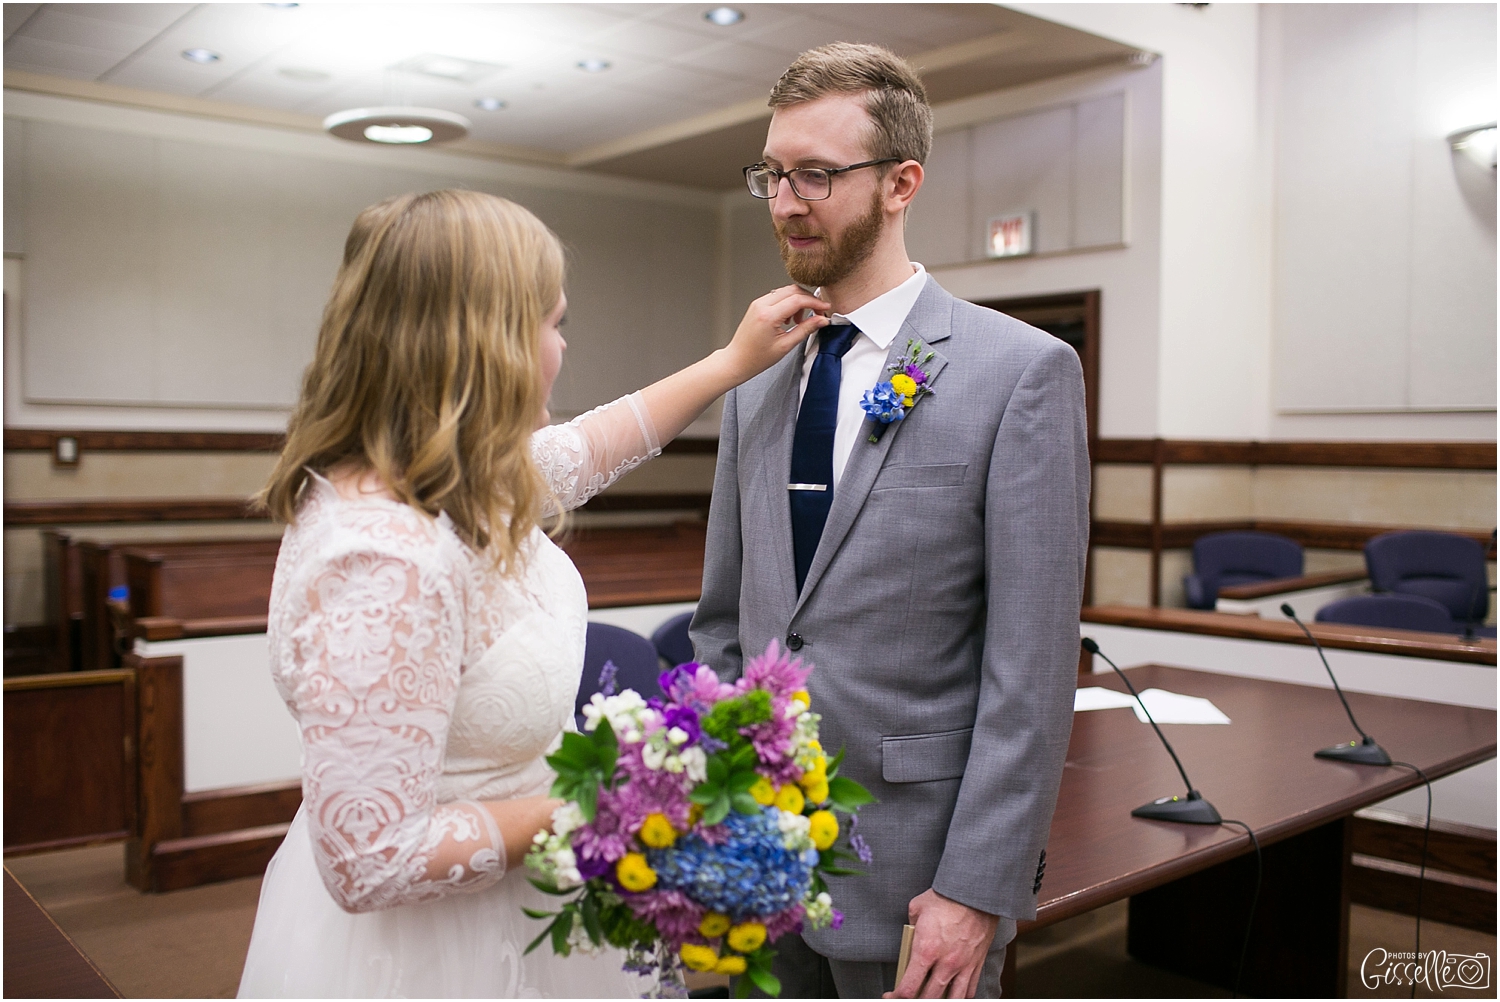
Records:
x=606, y=749
x=847, y=795
x=741, y=988
x=560, y=930
x=834, y=763
x=533, y=913
x=744, y=803
x=764, y=980
x=547, y=887
x=718, y=771
x=705, y=794
x=538, y=941
x=588, y=799
x=717, y=811
x=591, y=924
x=742, y=781
x=839, y=871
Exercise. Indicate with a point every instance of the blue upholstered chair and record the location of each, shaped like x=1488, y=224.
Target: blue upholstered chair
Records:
x=1441, y=566
x=632, y=654
x=1394, y=612
x=1223, y=559
x=671, y=639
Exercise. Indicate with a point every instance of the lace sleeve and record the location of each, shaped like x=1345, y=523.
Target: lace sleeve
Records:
x=592, y=451
x=378, y=649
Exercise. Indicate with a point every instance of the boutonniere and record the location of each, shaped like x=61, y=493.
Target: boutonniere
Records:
x=909, y=382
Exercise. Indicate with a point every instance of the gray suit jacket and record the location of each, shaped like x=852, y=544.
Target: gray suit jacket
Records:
x=940, y=611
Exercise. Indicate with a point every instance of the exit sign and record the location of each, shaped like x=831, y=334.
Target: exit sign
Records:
x=1010, y=236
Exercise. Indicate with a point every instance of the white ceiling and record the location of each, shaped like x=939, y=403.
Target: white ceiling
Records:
x=667, y=63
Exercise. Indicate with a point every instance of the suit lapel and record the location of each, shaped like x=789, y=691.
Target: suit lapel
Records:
x=931, y=321
x=772, y=429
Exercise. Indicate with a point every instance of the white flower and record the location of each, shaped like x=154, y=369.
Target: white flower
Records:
x=673, y=764
x=795, y=709
x=695, y=762
x=653, y=757
x=819, y=911
x=795, y=831
x=626, y=713
x=677, y=736
x=566, y=818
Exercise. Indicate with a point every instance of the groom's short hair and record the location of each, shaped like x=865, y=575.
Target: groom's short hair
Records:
x=895, y=99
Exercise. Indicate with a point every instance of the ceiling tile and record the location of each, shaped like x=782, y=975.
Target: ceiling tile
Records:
x=16, y=15
x=37, y=56
x=59, y=25
x=154, y=16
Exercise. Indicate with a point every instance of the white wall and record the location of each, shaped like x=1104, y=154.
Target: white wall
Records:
x=1224, y=147
x=170, y=271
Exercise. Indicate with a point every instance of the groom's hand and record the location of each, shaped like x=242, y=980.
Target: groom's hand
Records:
x=948, y=950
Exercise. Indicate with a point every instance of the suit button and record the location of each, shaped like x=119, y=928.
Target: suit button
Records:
x=794, y=641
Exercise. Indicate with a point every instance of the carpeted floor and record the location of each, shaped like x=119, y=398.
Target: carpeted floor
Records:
x=191, y=944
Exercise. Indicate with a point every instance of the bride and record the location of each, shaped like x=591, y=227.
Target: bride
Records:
x=425, y=634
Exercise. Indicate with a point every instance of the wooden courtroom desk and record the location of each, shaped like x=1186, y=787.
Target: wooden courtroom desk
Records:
x=1190, y=885
x=40, y=960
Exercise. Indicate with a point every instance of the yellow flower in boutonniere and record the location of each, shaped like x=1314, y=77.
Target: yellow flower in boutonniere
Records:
x=904, y=385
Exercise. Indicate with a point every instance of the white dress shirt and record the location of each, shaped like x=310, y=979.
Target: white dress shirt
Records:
x=864, y=364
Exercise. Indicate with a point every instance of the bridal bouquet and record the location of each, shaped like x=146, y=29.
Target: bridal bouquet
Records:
x=700, y=826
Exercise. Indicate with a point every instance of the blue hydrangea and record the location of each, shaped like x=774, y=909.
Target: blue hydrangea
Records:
x=883, y=403
x=752, y=874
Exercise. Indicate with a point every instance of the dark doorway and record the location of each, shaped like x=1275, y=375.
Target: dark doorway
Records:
x=1072, y=317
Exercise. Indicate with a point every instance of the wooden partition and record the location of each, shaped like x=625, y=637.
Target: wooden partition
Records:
x=70, y=763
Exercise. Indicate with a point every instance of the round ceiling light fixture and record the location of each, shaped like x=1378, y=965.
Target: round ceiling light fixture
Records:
x=202, y=56
x=724, y=16
x=489, y=104
x=593, y=65
x=397, y=126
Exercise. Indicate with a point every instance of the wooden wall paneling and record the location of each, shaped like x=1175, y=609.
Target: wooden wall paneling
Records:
x=1158, y=458
x=90, y=511
x=62, y=583
x=69, y=759
x=101, y=570
x=160, y=766
x=195, y=583
x=1384, y=455
x=207, y=859
x=44, y=440
x=213, y=812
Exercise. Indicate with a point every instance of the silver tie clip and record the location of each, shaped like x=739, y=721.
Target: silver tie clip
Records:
x=807, y=487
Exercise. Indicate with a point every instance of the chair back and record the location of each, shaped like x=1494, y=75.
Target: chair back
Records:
x=632, y=654
x=1442, y=566
x=671, y=639
x=1222, y=559
x=1392, y=612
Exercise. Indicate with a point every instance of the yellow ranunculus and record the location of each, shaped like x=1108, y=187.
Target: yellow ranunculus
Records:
x=747, y=937
x=657, y=831
x=814, y=745
x=763, y=792
x=903, y=384
x=634, y=873
x=730, y=965
x=824, y=829
x=802, y=695
x=790, y=799
x=819, y=771
x=817, y=790
x=699, y=958
x=714, y=925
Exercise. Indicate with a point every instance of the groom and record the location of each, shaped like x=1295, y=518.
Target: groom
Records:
x=933, y=576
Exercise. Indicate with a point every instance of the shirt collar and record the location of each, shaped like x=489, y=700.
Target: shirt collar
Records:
x=881, y=318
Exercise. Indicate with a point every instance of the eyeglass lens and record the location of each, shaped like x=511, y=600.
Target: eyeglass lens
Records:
x=807, y=182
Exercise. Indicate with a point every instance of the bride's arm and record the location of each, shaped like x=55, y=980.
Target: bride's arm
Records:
x=586, y=455
x=377, y=662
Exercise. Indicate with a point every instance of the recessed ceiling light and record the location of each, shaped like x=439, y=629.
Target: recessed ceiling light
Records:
x=593, y=65
x=281, y=6
x=489, y=104
x=401, y=126
x=724, y=16
x=204, y=56
x=450, y=68
x=302, y=74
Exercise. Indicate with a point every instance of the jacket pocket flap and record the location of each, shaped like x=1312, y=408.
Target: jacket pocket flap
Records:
x=922, y=758
x=943, y=475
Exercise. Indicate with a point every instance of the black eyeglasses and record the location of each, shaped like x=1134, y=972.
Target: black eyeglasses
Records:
x=811, y=184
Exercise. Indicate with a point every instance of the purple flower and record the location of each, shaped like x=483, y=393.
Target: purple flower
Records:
x=838, y=920
x=605, y=838
x=607, y=678
x=857, y=842
x=915, y=372
x=776, y=671
x=783, y=922
x=593, y=867
x=675, y=915
x=684, y=717
x=682, y=675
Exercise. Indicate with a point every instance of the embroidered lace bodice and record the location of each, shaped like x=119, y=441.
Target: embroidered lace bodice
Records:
x=424, y=680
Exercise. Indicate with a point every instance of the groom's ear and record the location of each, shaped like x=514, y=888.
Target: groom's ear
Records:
x=902, y=185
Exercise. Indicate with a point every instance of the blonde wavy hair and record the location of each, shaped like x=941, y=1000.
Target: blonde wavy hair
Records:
x=427, y=367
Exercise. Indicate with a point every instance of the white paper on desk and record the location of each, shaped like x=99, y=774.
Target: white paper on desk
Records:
x=1096, y=698
x=1166, y=707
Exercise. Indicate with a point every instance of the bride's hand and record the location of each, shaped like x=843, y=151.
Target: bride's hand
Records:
x=764, y=336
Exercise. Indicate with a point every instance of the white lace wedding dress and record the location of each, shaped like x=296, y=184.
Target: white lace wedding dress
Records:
x=422, y=681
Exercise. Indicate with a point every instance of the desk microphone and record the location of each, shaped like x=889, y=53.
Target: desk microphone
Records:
x=1366, y=752
x=1189, y=810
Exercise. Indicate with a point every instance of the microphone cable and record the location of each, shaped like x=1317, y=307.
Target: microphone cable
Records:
x=1239, y=974
x=1422, y=869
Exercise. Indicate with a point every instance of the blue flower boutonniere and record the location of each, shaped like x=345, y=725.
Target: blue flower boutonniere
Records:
x=909, y=381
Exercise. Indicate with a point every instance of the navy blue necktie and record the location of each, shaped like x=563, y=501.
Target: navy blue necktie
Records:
x=811, y=487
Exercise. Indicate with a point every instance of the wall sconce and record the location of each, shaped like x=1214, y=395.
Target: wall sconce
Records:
x=65, y=451
x=1477, y=142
